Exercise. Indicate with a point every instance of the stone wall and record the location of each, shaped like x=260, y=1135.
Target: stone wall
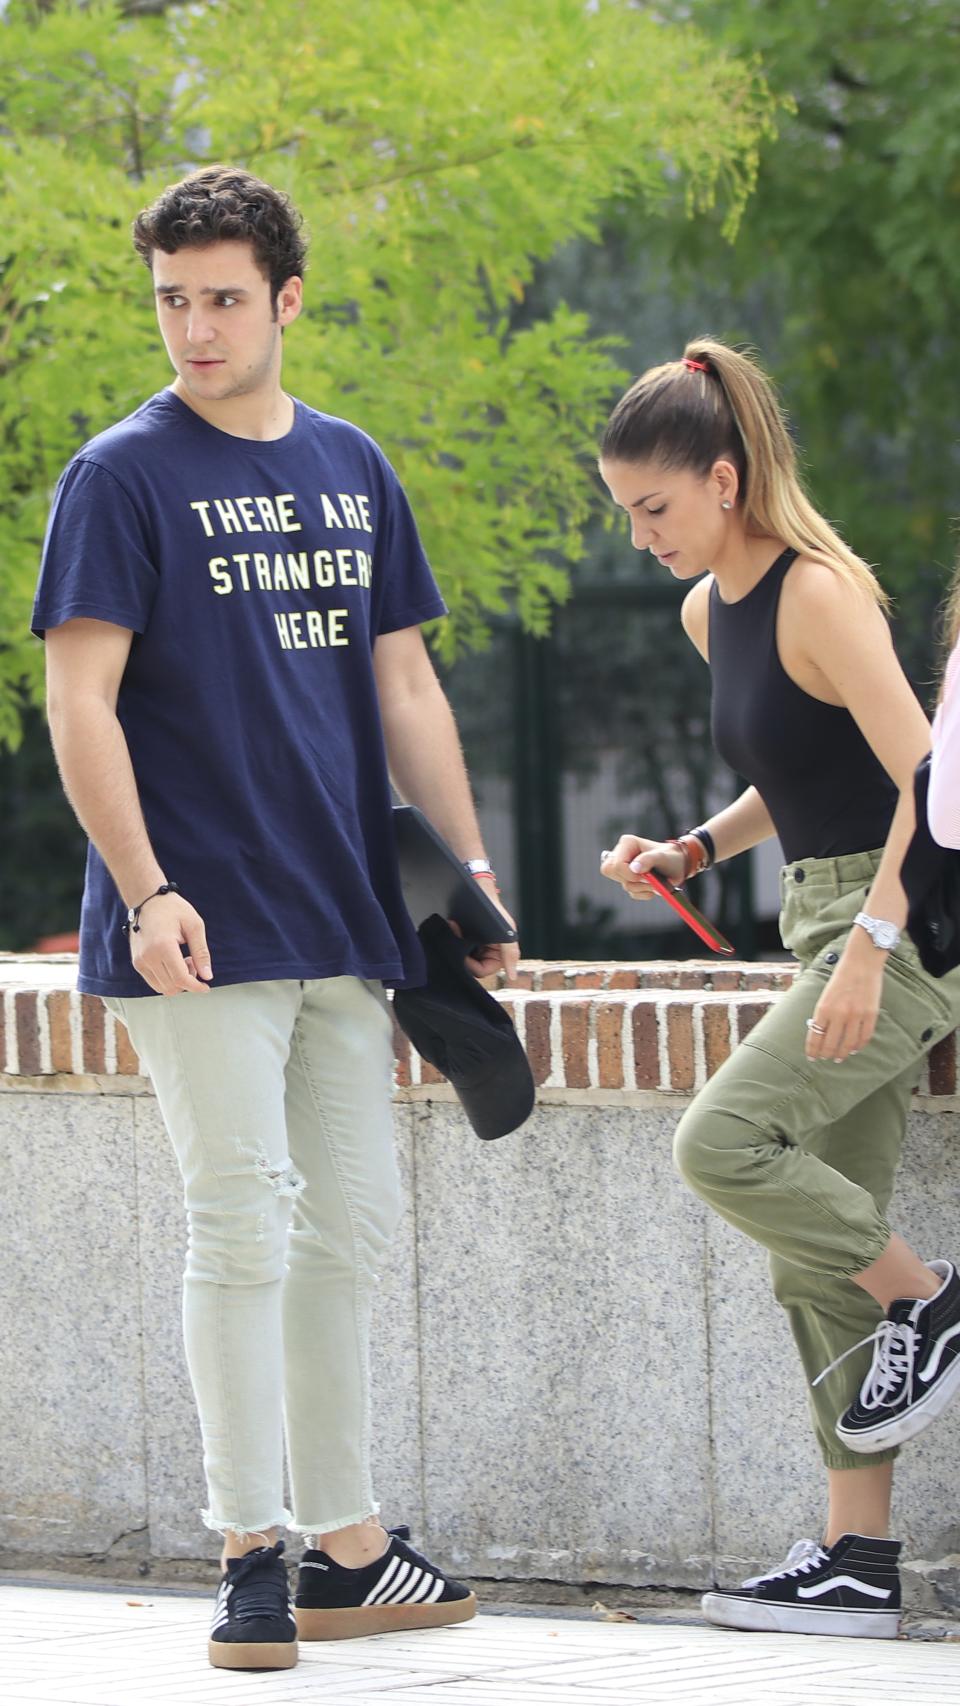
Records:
x=580, y=1373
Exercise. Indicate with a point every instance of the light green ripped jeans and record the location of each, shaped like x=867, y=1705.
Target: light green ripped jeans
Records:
x=277, y=1100
x=801, y=1155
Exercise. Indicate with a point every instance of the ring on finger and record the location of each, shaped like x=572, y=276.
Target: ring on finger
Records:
x=818, y=1030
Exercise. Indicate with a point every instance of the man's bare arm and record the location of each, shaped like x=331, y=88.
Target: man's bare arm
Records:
x=424, y=753
x=85, y=664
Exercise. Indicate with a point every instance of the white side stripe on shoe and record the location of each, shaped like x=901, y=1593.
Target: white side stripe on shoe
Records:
x=403, y=1583
x=843, y=1582
x=221, y=1610
x=382, y=1584
x=930, y=1367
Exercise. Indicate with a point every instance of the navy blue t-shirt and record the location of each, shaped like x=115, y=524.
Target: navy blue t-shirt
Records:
x=256, y=577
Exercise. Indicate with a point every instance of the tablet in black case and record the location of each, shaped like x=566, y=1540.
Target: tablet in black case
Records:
x=433, y=879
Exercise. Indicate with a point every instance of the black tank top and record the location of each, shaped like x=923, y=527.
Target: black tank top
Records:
x=821, y=783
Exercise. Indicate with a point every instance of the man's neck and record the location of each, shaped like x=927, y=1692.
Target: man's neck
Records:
x=250, y=416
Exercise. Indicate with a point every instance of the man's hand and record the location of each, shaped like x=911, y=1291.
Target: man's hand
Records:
x=492, y=957
x=167, y=924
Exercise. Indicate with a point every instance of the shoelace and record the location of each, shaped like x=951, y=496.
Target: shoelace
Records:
x=403, y=1533
x=894, y=1352
x=803, y=1556
x=263, y=1598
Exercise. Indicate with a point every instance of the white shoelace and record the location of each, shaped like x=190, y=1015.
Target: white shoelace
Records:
x=894, y=1351
x=803, y=1556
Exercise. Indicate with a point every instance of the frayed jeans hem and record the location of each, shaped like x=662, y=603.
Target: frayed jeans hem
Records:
x=243, y=1531
x=308, y=1529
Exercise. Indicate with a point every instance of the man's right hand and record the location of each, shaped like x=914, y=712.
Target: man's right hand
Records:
x=167, y=924
x=628, y=863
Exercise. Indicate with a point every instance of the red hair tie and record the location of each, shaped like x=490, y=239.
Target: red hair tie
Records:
x=695, y=366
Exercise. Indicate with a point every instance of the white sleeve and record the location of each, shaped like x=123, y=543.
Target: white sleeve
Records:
x=943, y=799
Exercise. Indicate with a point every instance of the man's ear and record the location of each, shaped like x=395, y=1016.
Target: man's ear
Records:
x=289, y=300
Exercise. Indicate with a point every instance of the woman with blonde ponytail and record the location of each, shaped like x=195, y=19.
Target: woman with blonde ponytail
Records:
x=796, y=1139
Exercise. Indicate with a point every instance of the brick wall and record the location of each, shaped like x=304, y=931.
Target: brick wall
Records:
x=659, y=1026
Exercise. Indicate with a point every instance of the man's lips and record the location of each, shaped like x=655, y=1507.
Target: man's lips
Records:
x=204, y=361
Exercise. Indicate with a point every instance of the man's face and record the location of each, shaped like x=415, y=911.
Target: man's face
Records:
x=218, y=321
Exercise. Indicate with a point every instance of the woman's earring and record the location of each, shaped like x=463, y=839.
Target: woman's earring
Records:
x=726, y=504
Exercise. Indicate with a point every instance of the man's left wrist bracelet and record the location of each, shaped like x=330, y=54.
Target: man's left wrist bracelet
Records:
x=483, y=871
x=131, y=924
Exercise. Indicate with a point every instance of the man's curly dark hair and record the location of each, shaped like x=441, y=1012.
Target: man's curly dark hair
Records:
x=221, y=204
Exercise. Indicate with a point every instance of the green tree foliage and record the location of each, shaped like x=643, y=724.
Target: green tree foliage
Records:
x=440, y=151
x=845, y=268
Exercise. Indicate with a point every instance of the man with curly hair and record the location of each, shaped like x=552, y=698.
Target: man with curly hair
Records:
x=231, y=595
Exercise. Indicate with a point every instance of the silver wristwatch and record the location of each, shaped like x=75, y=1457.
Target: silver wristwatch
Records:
x=881, y=933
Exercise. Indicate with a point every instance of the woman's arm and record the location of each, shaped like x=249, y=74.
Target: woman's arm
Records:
x=943, y=798
x=843, y=636
x=739, y=826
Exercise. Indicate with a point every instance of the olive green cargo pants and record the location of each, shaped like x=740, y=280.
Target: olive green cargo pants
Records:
x=801, y=1155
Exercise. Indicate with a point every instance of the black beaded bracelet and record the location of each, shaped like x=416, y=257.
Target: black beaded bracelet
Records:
x=131, y=924
x=707, y=842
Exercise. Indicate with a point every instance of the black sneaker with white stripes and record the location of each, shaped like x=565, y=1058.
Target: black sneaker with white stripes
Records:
x=400, y=1590
x=852, y=1588
x=253, y=1623
x=915, y=1370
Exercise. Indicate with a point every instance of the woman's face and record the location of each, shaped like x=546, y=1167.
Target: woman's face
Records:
x=675, y=514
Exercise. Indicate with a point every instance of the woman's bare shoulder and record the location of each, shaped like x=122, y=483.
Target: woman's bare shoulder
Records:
x=695, y=615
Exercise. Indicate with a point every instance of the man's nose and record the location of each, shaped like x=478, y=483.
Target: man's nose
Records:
x=199, y=328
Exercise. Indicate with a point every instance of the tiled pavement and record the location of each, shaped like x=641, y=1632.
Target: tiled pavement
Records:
x=83, y=1647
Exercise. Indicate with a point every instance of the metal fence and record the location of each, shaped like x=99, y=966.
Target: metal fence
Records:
x=601, y=728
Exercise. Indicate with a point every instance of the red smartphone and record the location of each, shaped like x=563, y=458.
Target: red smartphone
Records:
x=678, y=899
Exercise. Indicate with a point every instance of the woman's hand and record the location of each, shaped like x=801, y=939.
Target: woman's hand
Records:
x=628, y=863
x=845, y=1016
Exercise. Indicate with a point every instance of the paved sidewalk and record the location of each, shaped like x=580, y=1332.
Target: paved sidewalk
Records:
x=82, y=1647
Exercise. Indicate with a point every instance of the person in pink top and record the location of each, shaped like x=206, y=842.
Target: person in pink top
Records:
x=943, y=798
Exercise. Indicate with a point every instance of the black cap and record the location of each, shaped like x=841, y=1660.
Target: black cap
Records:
x=930, y=875
x=456, y=1025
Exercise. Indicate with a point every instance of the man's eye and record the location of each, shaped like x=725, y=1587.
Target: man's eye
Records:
x=174, y=301
x=226, y=301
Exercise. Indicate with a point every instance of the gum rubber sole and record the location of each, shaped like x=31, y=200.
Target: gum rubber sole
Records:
x=343, y=1623
x=732, y=1613
x=252, y=1655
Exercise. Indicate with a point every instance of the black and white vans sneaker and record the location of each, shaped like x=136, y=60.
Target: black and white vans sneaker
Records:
x=914, y=1373
x=399, y=1590
x=851, y=1589
x=253, y=1623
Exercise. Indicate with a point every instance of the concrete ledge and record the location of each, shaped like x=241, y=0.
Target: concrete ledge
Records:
x=580, y=1374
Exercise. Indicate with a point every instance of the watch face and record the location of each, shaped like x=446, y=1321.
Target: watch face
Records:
x=886, y=935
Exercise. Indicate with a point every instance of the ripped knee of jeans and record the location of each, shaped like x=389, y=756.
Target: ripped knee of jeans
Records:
x=284, y=1181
